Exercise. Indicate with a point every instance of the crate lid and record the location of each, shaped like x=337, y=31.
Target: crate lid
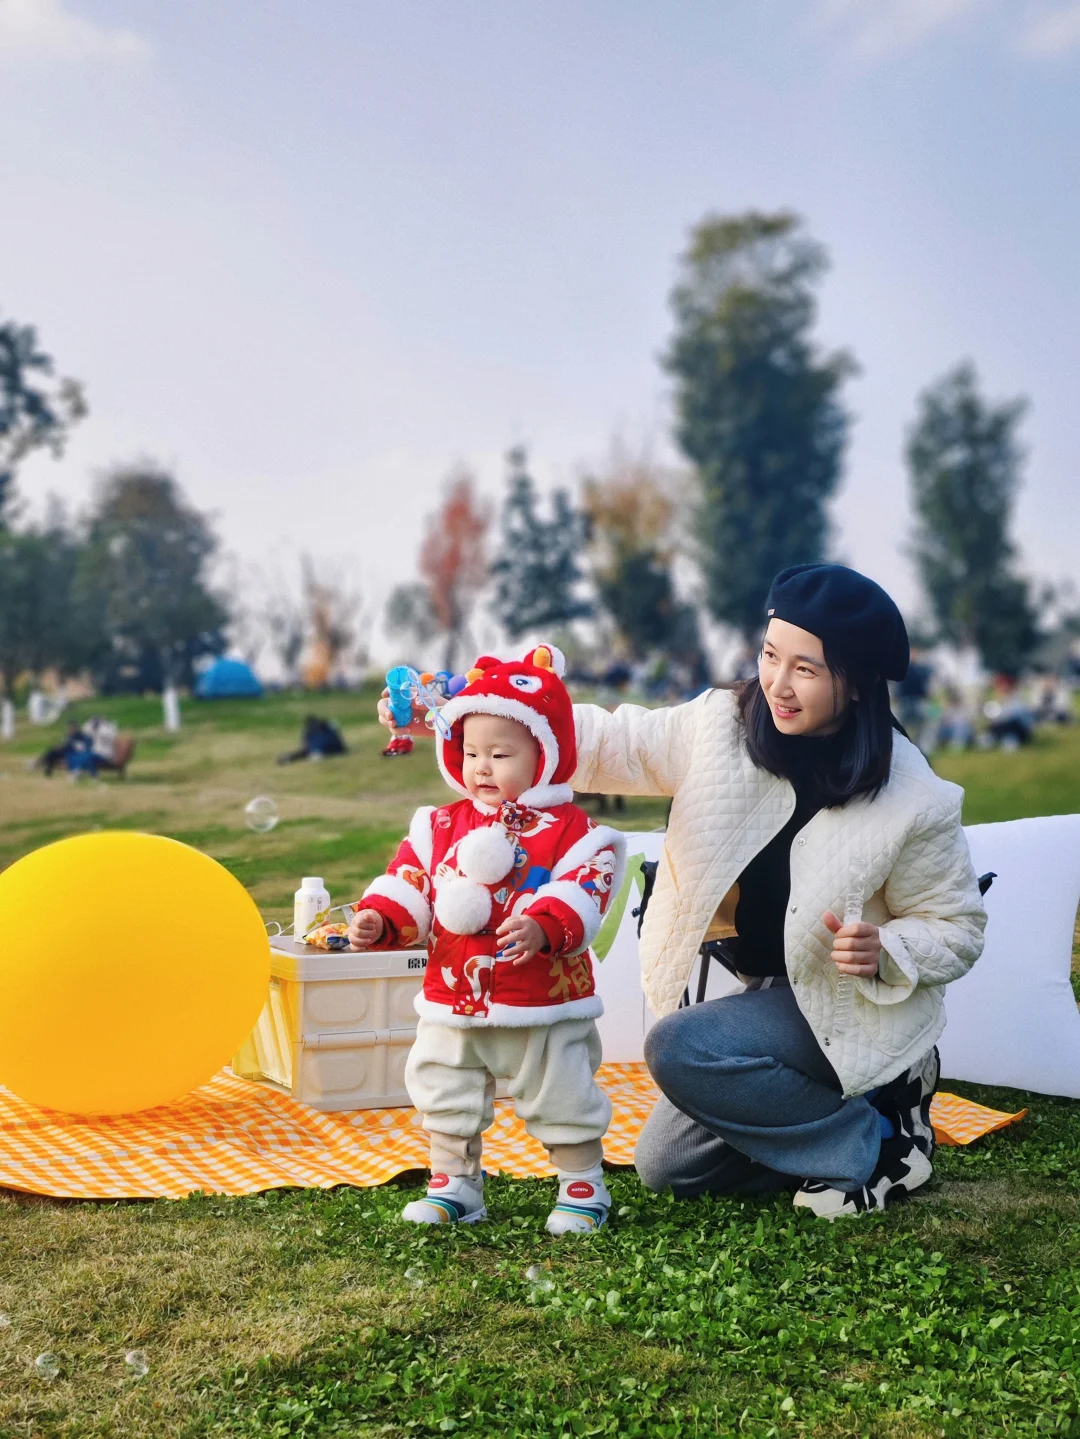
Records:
x=301, y=962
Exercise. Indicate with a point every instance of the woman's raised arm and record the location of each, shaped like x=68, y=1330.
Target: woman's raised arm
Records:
x=635, y=750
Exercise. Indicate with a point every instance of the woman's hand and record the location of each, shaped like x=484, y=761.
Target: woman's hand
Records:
x=522, y=938
x=418, y=724
x=365, y=928
x=855, y=948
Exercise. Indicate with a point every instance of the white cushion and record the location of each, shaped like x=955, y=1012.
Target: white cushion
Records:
x=1013, y=1018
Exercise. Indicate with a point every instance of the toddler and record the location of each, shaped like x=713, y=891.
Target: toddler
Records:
x=508, y=886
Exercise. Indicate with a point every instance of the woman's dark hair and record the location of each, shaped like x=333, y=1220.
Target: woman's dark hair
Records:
x=856, y=763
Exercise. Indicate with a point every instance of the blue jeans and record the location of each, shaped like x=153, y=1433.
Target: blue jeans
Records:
x=750, y=1103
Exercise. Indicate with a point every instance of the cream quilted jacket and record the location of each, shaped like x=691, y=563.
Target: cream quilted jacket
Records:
x=921, y=889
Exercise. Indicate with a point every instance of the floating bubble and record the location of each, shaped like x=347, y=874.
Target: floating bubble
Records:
x=539, y=1279
x=137, y=1362
x=415, y=1277
x=47, y=1365
x=5, y=1321
x=261, y=814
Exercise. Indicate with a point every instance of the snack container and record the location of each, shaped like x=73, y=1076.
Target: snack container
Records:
x=336, y=1028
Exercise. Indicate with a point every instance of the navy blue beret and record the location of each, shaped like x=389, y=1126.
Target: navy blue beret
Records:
x=851, y=614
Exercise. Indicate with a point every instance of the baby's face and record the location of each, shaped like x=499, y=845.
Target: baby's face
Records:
x=501, y=758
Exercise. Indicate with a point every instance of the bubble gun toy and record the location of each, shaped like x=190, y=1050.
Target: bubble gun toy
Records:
x=406, y=686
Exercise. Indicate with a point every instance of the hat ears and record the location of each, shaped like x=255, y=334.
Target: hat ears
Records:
x=485, y=662
x=547, y=657
x=543, y=657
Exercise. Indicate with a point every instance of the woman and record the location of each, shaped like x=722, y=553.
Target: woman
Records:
x=785, y=795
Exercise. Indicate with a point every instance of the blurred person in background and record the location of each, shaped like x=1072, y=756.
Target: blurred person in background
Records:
x=1011, y=721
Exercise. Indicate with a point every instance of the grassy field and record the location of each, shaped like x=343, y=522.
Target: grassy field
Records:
x=304, y=1313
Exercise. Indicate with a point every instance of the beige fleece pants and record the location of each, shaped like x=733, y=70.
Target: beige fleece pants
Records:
x=548, y=1069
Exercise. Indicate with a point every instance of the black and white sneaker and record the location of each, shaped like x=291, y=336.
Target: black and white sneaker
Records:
x=905, y=1100
x=901, y=1169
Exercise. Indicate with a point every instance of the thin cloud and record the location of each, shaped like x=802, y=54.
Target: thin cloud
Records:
x=877, y=29
x=47, y=28
x=1052, y=33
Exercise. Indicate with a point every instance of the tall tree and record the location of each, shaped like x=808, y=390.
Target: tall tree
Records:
x=965, y=461
x=35, y=411
x=40, y=627
x=538, y=570
x=630, y=512
x=142, y=581
x=452, y=560
x=757, y=405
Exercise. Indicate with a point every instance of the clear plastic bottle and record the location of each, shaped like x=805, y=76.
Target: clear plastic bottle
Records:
x=310, y=905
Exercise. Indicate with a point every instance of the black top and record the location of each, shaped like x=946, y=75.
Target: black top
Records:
x=765, y=883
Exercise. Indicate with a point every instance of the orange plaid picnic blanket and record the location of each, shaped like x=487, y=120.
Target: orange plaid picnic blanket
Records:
x=233, y=1136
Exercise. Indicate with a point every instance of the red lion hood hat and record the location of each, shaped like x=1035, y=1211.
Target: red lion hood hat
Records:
x=528, y=690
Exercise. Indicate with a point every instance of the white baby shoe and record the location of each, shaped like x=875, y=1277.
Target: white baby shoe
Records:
x=450, y=1199
x=582, y=1205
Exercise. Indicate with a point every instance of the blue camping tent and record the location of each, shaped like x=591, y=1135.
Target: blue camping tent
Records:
x=228, y=679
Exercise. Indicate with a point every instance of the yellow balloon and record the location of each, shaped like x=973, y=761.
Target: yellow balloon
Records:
x=132, y=967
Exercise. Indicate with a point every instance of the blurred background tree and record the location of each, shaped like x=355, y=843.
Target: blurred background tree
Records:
x=410, y=612
x=965, y=461
x=141, y=582
x=335, y=623
x=36, y=412
x=538, y=571
x=454, y=570
x=40, y=627
x=757, y=406
x=630, y=510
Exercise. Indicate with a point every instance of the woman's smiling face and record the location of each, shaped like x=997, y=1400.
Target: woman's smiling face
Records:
x=805, y=697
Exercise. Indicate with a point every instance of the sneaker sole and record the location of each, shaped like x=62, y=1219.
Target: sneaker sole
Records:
x=475, y=1218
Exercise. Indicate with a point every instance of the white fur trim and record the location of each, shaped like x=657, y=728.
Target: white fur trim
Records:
x=486, y=855
x=462, y=906
x=600, y=836
x=577, y=899
x=510, y=1016
x=533, y=721
x=420, y=836
x=389, y=886
x=546, y=796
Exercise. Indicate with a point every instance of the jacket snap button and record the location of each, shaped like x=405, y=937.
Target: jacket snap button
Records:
x=794, y=909
x=800, y=840
x=826, y=1041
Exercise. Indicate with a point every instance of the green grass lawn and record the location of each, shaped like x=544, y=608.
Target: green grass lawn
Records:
x=309, y=1313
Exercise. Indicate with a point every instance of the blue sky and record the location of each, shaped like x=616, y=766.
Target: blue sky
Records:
x=314, y=255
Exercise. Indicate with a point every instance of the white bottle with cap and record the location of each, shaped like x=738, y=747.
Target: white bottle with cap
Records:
x=310, y=905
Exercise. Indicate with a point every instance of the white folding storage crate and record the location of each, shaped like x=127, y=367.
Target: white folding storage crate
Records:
x=336, y=1027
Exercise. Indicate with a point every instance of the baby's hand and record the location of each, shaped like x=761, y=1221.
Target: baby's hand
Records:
x=365, y=928
x=522, y=938
x=417, y=726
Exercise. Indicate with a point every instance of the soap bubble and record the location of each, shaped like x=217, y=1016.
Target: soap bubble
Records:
x=539, y=1279
x=261, y=814
x=5, y=1321
x=137, y=1362
x=47, y=1365
x=415, y=1276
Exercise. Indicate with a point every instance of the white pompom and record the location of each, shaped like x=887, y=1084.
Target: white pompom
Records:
x=486, y=855
x=462, y=906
